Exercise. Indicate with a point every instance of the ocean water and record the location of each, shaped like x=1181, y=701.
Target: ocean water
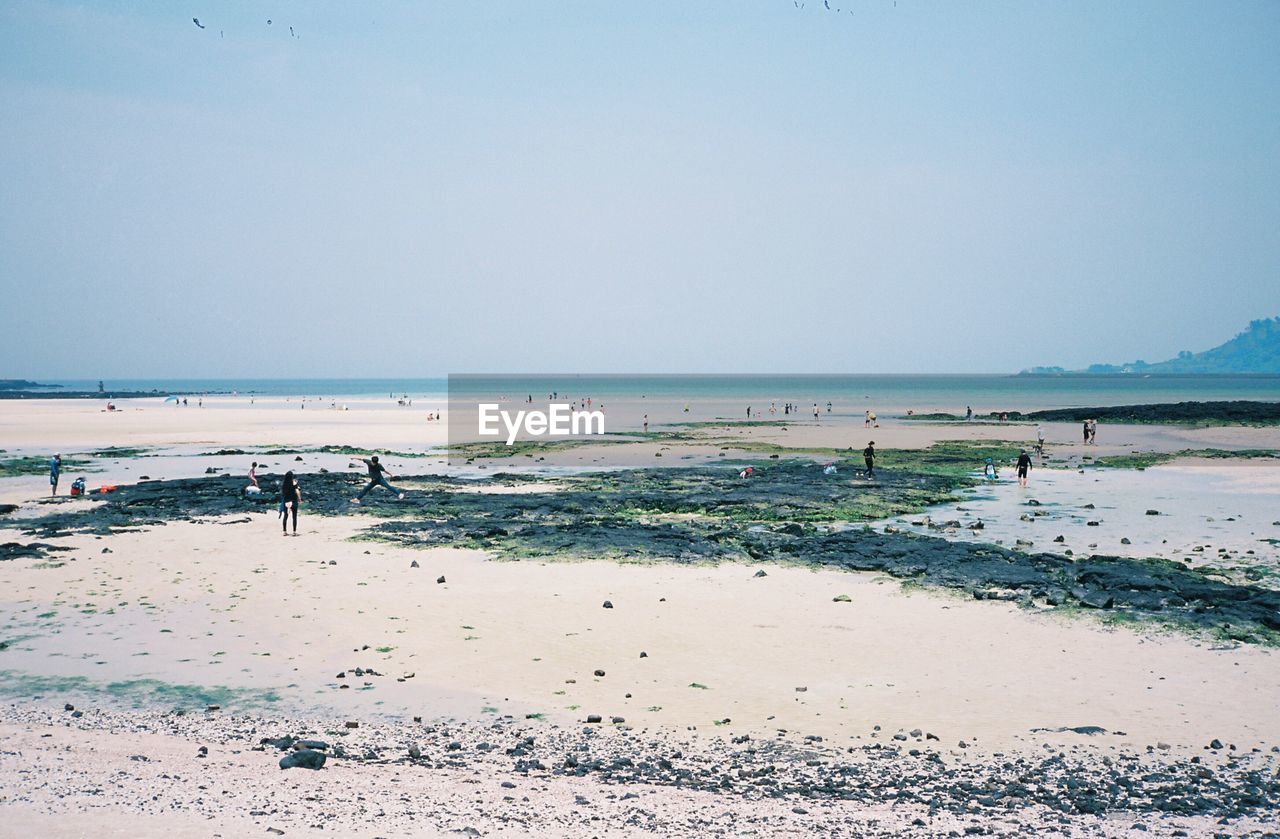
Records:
x=952, y=393
x=416, y=388
x=921, y=393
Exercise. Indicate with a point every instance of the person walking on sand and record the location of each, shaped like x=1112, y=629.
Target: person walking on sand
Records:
x=55, y=472
x=378, y=476
x=1093, y=432
x=1024, y=466
x=290, y=500
x=866, y=422
x=253, y=474
x=968, y=413
x=1040, y=440
x=1085, y=429
x=869, y=458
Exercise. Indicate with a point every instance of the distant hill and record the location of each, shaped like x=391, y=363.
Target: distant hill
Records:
x=21, y=384
x=1255, y=350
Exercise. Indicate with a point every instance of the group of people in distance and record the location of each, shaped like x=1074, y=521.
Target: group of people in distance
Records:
x=291, y=490
x=1090, y=428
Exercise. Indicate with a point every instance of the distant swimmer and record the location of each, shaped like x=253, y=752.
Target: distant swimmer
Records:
x=378, y=476
x=55, y=472
x=1024, y=466
x=747, y=473
x=290, y=500
x=869, y=458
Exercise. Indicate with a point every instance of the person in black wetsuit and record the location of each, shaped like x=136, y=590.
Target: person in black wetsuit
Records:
x=869, y=457
x=291, y=498
x=1024, y=466
x=378, y=476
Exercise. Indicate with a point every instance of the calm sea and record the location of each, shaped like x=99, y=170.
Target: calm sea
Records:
x=887, y=392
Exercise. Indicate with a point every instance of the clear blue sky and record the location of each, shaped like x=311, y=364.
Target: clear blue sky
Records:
x=422, y=188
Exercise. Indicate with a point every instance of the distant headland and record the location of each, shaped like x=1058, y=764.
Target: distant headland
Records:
x=1255, y=350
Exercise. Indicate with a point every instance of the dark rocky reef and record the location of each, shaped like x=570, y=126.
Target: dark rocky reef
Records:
x=788, y=513
x=1238, y=412
x=79, y=394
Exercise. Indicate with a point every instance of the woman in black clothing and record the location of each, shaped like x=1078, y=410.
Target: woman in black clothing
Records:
x=291, y=497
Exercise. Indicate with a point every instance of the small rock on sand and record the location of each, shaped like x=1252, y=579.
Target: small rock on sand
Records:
x=303, y=759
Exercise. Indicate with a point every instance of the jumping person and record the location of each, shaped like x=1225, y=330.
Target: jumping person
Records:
x=55, y=471
x=869, y=457
x=378, y=476
x=1024, y=466
x=290, y=499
